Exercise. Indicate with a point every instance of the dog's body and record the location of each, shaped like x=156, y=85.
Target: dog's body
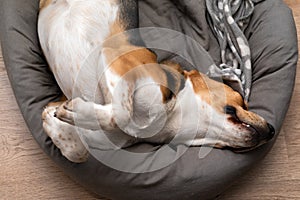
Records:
x=128, y=96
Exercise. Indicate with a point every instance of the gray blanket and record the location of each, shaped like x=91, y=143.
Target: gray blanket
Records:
x=228, y=19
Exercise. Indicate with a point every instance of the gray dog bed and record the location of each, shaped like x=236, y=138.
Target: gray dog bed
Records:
x=272, y=38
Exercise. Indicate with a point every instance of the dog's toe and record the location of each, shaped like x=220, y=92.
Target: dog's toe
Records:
x=64, y=136
x=68, y=105
x=79, y=113
x=69, y=110
x=65, y=115
x=74, y=104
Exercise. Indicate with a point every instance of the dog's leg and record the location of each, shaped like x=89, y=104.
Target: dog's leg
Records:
x=64, y=135
x=149, y=118
x=87, y=115
x=99, y=119
x=115, y=117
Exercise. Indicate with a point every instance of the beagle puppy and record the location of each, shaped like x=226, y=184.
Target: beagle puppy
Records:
x=121, y=95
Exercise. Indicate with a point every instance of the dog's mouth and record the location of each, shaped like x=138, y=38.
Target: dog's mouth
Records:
x=257, y=138
x=247, y=126
x=250, y=128
x=256, y=135
x=243, y=149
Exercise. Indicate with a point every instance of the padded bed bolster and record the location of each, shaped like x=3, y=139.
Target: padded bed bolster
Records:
x=32, y=82
x=273, y=40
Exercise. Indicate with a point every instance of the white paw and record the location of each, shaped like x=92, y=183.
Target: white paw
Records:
x=64, y=136
x=79, y=113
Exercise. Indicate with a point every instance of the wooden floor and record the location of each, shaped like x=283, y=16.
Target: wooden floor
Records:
x=27, y=173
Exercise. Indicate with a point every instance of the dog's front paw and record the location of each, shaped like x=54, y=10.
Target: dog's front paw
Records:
x=64, y=136
x=79, y=113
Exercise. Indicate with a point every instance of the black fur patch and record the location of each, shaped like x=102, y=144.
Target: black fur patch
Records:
x=130, y=18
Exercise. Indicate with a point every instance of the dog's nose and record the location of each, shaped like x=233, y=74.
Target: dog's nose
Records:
x=271, y=131
x=267, y=134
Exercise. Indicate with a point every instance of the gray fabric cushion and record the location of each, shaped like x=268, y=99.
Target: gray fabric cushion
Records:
x=272, y=37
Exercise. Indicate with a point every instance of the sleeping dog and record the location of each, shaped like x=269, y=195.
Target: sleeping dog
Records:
x=118, y=91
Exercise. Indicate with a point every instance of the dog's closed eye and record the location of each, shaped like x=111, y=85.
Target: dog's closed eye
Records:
x=230, y=110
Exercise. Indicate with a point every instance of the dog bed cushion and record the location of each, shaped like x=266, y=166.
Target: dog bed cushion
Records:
x=272, y=38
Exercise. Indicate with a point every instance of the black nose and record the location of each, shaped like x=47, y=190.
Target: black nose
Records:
x=271, y=131
x=230, y=110
x=266, y=136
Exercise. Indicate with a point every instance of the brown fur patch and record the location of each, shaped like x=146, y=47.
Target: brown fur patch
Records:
x=214, y=93
x=45, y=3
x=117, y=36
x=55, y=104
x=134, y=63
x=219, y=95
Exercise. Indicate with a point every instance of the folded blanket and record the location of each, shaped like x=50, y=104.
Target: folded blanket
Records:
x=228, y=19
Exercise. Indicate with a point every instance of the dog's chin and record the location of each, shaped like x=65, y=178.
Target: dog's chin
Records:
x=239, y=149
x=244, y=149
x=251, y=141
x=247, y=147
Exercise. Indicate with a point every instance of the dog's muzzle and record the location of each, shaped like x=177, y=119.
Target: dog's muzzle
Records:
x=258, y=134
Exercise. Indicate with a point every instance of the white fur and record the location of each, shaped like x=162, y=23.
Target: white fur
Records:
x=69, y=31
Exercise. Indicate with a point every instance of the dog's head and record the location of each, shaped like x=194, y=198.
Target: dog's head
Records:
x=241, y=129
